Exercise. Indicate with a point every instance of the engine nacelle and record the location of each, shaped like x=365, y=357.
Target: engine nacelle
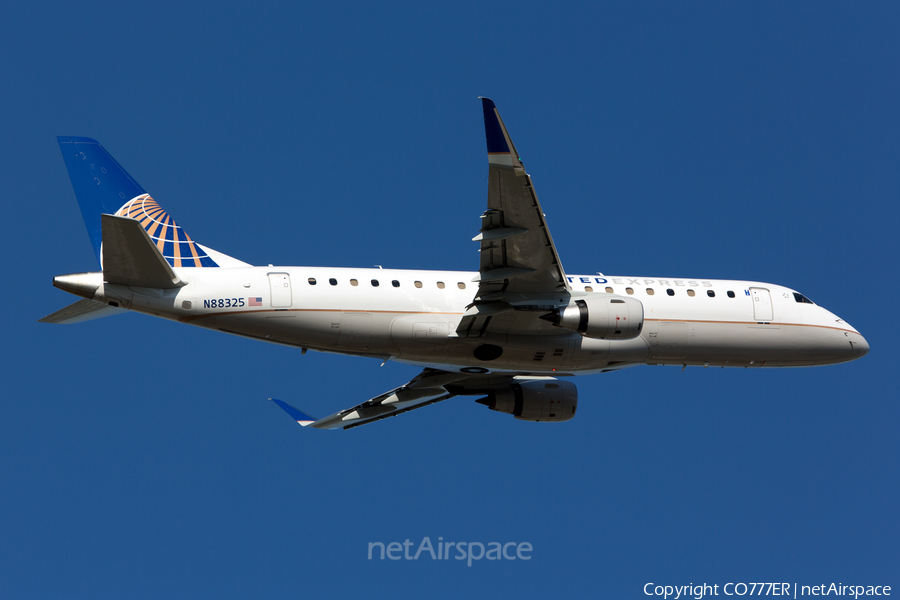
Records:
x=604, y=317
x=545, y=400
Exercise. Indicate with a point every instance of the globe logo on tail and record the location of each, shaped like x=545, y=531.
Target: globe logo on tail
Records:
x=173, y=242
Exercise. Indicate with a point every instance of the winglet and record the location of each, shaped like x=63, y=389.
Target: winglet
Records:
x=301, y=417
x=501, y=150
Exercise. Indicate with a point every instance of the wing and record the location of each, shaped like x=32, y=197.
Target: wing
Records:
x=519, y=262
x=429, y=387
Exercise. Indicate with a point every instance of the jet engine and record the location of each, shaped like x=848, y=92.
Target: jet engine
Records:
x=545, y=400
x=604, y=317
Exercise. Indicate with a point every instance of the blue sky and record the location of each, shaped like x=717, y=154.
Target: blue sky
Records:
x=750, y=141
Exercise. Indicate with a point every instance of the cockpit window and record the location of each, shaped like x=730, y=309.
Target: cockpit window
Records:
x=802, y=299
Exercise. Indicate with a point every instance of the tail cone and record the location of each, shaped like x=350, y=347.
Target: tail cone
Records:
x=80, y=284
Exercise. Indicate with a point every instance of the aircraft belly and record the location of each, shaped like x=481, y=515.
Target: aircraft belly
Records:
x=591, y=354
x=422, y=334
x=527, y=354
x=747, y=344
x=355, y=330
x=305, y=328
x=670, y=340
x=426, y=339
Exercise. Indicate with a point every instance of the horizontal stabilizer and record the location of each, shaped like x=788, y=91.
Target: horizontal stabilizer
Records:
x=83, y=310
x=299, y=416
x=131, y=258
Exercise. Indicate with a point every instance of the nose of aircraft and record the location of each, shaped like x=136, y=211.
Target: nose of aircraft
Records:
x=863, y=346
x=857, y=347
x=846, y=343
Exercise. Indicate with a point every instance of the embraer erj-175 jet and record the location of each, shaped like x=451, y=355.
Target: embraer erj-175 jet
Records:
x=513, y=332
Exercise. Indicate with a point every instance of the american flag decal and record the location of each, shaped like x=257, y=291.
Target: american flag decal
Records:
x=254, y=301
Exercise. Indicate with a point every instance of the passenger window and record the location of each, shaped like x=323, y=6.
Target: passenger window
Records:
x=609, y=290
x=332, y=281
x=710, y=293
x=730, y=294
x=461, y=285
x=312, y=281
x=670, y=292
x=395, y=283
x=354, y=282
x=691, y=293
x=418, y=284
x=441, y=285
x=374, y=283
x=650, y=291
x=588, y=288
x=629, y=291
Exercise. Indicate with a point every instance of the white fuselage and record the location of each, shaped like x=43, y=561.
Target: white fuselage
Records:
x=411, y=316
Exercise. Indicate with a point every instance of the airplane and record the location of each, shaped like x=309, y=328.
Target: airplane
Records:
x=515, y=332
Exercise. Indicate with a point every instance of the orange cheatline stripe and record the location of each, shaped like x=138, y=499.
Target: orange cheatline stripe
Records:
x=241, y=312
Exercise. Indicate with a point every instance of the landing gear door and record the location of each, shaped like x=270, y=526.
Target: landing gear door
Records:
x=762, y=305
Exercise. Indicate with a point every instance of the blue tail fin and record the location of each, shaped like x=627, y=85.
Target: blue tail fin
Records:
x=102, y=186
